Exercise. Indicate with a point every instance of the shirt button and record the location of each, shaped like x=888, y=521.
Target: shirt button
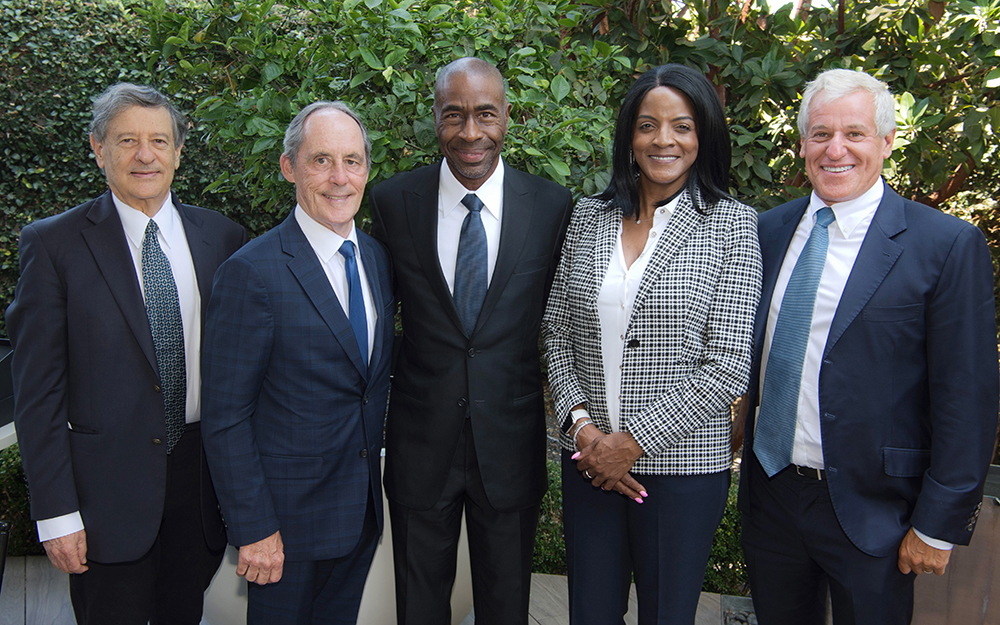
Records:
x=652, y=234
x=157, y=441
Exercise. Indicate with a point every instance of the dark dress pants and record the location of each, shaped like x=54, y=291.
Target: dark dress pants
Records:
x=795, y=550
x=425, y=548
x=317, y=592
x=664, y=542
x=165, y=586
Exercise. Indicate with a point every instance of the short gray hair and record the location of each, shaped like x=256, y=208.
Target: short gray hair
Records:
x=123, y=95
x=294, y=135
x=837, y=83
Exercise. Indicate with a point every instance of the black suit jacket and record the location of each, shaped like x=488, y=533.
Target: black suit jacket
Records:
x=83, y=356
x=908, y=387
x=493, y=376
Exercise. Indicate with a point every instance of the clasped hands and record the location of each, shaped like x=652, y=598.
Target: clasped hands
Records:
x=606, y=460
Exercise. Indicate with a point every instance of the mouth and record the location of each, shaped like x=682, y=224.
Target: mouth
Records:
x=472, y=154
x=336, y=198
x=838, y=170
x=663, y=159
x=145, y=174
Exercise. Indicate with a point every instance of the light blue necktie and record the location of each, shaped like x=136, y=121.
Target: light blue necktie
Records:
x=775, y=430
x=356, y=302
x=164, y=313
x=470, y=266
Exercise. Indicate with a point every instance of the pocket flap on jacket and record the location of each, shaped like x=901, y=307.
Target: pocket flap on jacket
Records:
x=903, y=462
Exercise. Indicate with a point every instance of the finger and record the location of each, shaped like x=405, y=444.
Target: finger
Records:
x=632, y=483
x=628, y=492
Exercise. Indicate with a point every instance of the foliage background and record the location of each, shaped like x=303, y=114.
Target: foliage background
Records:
x=243, y=68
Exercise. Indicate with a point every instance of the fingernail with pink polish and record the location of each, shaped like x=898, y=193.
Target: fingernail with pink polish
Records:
x=643, y=493
x=575, y=456
x=638, y=500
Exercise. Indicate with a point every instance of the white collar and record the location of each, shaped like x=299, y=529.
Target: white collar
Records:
x=451, y=191
x=852, y=212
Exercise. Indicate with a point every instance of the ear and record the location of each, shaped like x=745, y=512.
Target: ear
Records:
x=287, y=170
x=98, y=149
x=177, y=156
x=889, y=139
x=802, y=147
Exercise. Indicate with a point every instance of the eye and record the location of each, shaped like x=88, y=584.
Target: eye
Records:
x=684, y=127
x=644, y=126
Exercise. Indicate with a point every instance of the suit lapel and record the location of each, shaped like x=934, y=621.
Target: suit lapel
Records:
x=682, y=223
x=515, y=223
x=106, y=239
x=306, y=268
x=876, y=257
x=374, y=274
x=422, y=214
x=202, y=252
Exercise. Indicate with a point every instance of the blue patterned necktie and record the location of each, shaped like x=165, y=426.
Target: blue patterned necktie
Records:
x=164, y=313
x=356, y=302
x=774, y=436
x=470, y=268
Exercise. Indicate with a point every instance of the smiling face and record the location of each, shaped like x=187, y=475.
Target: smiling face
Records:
x=842, y=150
x=664, y=142
x=139, y=157
x=470, y=120
x=330, y=170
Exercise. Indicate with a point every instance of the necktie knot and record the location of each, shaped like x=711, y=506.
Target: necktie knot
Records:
x=825, y=217
x=472, y=202
x=347, y=249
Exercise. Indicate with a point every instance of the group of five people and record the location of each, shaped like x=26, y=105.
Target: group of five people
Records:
x=165, y=369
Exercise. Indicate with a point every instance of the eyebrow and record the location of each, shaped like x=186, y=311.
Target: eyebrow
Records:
x=489, y=106
x=674, y=119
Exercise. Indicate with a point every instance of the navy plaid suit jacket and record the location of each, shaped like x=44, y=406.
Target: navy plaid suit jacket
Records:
x=292, y=427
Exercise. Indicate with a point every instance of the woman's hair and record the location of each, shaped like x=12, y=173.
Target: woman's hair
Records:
x=710, y=171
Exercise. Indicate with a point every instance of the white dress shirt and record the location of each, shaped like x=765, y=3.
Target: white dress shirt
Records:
x=451, y=214
x=615, y=301
x=847, y=234
x=326, y=243
x=174, y=244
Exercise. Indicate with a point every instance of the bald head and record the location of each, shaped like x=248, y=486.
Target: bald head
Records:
x=472, y=67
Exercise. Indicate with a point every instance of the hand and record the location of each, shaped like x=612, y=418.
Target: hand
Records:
x=629, y=487
x=68, y=553
x=917, y=556
x=607, y=458
x=261, y=562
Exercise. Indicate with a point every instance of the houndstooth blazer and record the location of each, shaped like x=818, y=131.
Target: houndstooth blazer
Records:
x=688, y=345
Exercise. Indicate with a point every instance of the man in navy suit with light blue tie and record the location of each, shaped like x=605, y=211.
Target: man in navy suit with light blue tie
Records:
x=875, y=373
x=296, y=380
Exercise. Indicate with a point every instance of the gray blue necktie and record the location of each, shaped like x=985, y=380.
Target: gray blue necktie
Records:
x=774, y=436
x=356, y=302
x=470, y=267
x=164, y=313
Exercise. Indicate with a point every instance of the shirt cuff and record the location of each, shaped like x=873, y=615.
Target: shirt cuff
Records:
x=59, y=526
x=933, y=542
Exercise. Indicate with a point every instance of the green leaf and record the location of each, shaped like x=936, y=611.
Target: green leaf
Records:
x=370, y=59
x=271, y=71
x=265, y=143
x=992, y=79
x=560, y=87
x=361, y=78
x=559, y=167
x=437, y=11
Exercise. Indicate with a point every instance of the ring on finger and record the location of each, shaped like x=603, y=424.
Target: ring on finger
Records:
x=586, y=474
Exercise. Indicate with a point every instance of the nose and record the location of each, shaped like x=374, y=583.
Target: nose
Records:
x=338, y=174
x=836, y=149
x=144, y=154
x=664, y=137
x=471, y=132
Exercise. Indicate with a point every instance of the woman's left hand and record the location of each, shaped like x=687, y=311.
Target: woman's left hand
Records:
x=608, y=458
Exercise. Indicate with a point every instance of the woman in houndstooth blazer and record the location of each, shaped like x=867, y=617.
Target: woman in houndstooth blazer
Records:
x=648, y=339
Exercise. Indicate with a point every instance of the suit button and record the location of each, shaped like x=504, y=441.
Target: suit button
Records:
x=157, y=441
x=461, y=403
x=156, y=387
x=364, y=453
x=364, y=402
x=830, y=417
x=472, y=352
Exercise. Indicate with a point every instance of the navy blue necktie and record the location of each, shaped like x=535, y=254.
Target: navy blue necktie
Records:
x=164, y=313
x=356, y=302
x=774, y=436
x=470, y=267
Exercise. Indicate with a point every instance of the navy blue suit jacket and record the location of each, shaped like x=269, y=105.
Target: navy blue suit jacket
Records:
x=292, y=426
x=908, y=388
x=83, y=355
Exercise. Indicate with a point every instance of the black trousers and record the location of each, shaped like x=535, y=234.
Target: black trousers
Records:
x=425, y=548
x=795, y=550
x=165, y=586
x=664, y=542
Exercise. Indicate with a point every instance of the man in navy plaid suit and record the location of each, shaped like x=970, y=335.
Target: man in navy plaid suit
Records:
x=296, y=381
